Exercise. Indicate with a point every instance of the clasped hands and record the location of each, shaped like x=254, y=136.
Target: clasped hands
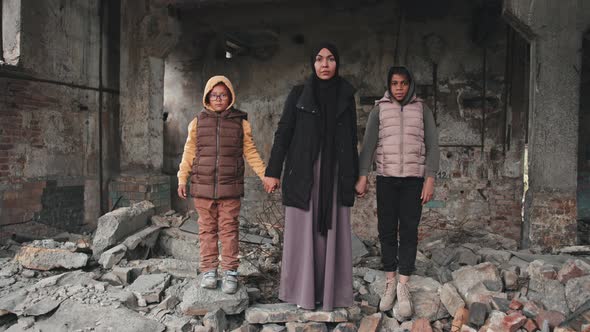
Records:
x=271, y=184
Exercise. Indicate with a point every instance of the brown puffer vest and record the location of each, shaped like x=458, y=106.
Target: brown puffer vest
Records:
x=218, y=167
x=401, y=150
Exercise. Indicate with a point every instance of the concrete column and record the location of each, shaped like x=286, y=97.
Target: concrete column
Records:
x=554, y=30
x=147, y=35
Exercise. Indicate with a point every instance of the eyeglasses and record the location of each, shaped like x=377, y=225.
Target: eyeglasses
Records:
x=222, y=96
x=401, y=83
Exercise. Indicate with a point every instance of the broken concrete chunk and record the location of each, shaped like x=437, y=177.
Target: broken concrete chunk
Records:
x=478, y=312
x=111, y=278
x=358, y=248
x=253, y=238
x=551, y=293
x=74, y=316
x=126, y=274
x=191, y=226
x=467, y=257
x=150, y=287
x=577, y=292
x=248, y=269
x=116, y=225
x=112, y=256
x=500, y=304
x=510, y=279
x=495, y=322
x=178, y=268
x=389, y=324
x=422, y=325
x=48, y=259
x=199, y=301
x=335, y=316
x=215, y=320
x=147, y=237
x=371, y=323
x=178, y=244
x=272, y=313
x=495, y=256
x=450, y=298
x=177, y=324
x=160, y=221
x=469, y=276
x=274, y=328
x=575, y=250
x=306, y=327
x=573, y=269
x=425, y=298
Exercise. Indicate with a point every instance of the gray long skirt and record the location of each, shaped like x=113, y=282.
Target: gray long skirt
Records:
x=317, y=269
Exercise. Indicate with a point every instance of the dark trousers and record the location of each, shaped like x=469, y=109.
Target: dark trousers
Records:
x=399, y=207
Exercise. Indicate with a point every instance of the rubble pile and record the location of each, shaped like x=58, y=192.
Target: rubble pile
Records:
x=141, y=274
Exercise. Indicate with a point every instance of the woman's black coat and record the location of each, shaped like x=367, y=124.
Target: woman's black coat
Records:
x=297, y=143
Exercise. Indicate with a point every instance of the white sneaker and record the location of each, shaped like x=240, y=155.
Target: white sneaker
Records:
x=209, y=279
x=229, y=284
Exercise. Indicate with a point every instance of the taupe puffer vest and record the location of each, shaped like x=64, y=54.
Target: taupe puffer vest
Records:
x=218, y=167
x=400, y=150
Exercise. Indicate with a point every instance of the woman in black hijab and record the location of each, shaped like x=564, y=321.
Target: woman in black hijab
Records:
x=316, y=139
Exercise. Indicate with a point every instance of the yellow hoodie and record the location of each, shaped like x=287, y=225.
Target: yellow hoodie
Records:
x=190, y=147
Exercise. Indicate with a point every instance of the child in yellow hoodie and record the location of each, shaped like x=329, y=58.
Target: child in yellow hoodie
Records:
x=218, y=140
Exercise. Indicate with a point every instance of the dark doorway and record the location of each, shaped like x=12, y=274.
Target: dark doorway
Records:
x=583, y=192
x=517, y=107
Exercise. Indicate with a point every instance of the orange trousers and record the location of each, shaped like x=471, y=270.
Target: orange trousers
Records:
x=218, y=221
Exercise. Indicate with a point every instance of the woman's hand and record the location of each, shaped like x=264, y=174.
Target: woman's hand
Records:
x=181, y=191
x=361, y=186
x=270, y=184
x=427, y=190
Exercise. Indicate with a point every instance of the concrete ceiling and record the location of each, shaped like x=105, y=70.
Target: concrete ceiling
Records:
x=188, y=4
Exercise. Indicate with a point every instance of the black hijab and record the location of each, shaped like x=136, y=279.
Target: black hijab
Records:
x=326, y=97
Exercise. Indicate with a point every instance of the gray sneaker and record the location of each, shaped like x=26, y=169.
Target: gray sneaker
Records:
x=229, y=283
x=209, y=279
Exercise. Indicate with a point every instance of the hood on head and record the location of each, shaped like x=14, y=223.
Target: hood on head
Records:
x=211, y=83
x=412, y=88
x=329, y=46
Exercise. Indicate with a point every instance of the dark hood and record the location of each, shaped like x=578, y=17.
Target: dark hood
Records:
x=411, y=91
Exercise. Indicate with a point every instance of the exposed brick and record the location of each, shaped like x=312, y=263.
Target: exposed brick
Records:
x=6, y=146
x=514, y=321
x=35, y=185
x=12, y=195
x=515, y=304
x=530, y=325
x=12, y=203
x=572, y=269
x=531, y=309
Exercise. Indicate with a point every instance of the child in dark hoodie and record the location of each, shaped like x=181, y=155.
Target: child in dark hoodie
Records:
x=402, y=135
x=218, y=140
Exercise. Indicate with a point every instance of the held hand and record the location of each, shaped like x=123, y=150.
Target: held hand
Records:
x=427, y=190
x=361, y=186
x=270, y=184
x=182, y=191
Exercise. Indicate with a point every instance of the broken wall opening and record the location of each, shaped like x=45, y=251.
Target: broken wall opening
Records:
x=583, y=191
x=480, y=178
x=10, y=31
x=517, y=108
